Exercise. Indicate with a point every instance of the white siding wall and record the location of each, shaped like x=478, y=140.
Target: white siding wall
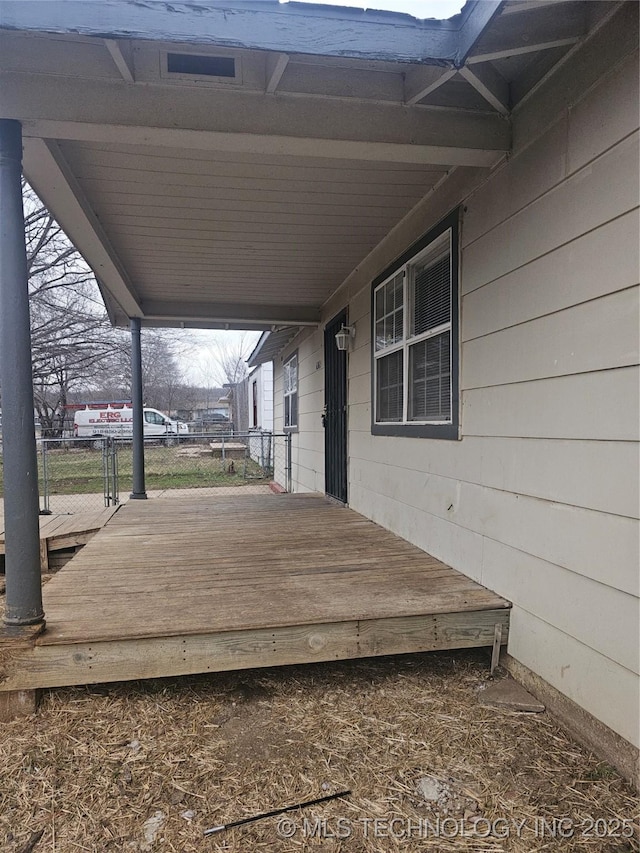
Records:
x=539, y=499
x=307, y=442
x=265, y=396
x=262, y=377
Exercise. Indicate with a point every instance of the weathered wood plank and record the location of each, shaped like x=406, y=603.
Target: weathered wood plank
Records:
x=116, y=660
x=44, y=556
x=17, y=703
x=67, y=531
x=196, y=584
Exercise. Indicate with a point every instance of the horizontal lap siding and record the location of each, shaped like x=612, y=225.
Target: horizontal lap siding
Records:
x=307, y=443
x=539, y=500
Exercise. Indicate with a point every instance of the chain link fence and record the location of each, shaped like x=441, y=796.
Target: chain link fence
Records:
x=81, y=475
x=206, y=461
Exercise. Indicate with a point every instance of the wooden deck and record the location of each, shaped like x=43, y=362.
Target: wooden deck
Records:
x=60, y=532
x=180, y=585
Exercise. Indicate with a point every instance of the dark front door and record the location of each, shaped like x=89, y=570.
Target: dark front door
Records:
x=335, y=416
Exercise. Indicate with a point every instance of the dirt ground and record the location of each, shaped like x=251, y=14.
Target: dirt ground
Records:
x=148, y=766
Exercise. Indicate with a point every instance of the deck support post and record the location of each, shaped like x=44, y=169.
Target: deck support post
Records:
x=21, y=501
x=18, y=703
x=139, y=491
x=495, y=651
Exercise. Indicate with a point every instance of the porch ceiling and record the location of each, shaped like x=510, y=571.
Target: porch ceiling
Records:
x=246, y=200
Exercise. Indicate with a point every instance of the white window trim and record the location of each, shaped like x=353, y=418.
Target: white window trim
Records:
x=420, y=428
x=290, y=393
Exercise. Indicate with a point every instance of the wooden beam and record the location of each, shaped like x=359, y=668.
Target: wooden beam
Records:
x=111, y=111
x=65, y=664
x=285, y=28
x=424, y=79
x=267, y=315
x=475, y=24
x=548, y=27
x=382, y=152
x=276, y=66
x=18, y=703
x=522, y=49
x=530, y=5
x=490, y=84
x=124, y=66
x=49, y=174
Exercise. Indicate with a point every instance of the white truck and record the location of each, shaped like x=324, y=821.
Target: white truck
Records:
x=97, y=420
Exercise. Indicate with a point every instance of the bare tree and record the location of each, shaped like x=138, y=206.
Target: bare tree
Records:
x=70, y=329
x=162, y=377
x=229, y=357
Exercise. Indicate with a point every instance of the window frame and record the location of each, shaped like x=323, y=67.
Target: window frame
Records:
x=285, y=393
x=423, y=429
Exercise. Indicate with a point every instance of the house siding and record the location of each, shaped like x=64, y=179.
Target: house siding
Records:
x=539, y=499
x=307, y=442
x=262, y=377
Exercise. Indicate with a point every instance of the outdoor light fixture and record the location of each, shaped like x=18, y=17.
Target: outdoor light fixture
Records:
x=343, y=337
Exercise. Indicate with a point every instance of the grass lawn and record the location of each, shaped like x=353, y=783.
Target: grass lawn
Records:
x=79, y=471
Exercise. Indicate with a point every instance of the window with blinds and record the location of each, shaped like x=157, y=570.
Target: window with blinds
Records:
x=415, y=339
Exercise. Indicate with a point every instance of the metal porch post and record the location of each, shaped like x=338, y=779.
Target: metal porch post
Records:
x=139, y=492
x=21, y=504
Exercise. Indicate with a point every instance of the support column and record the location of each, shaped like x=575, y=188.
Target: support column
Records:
x=21, y=504
x=139, y=492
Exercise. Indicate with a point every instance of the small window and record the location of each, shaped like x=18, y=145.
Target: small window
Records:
x=290, y=375
x=415, y=335
x=153, y=418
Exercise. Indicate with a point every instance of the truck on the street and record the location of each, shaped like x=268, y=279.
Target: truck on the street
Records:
x=115, y=419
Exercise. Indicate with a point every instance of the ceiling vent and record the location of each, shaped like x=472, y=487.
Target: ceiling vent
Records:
x=201, y=66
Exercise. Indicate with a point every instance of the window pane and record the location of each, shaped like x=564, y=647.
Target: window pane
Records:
x=389, y=387
x=431, y=294
x=389, y=313
x=430, y=379
x=380, y=303
x=290, y=375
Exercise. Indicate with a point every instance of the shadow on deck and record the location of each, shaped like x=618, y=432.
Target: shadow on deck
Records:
x=191, y=584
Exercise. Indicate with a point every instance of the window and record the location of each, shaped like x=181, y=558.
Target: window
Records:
x=290, y=371
x=415, y=339
x=153, y=417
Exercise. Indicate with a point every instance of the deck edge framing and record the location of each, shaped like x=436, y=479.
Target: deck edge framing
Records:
x=38, y=666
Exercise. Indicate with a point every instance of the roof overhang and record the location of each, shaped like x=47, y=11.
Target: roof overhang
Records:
x=262, y=25
x=270, y=345
x=245, y=201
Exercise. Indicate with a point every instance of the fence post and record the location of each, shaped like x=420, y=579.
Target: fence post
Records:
x=106, y=473
x=46, y=510
x=115, y=488
x=138, y=492
x=287, y=441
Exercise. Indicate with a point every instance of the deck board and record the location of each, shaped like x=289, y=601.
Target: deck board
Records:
x=58, y=532
x=245, y=563
x=190, y=584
